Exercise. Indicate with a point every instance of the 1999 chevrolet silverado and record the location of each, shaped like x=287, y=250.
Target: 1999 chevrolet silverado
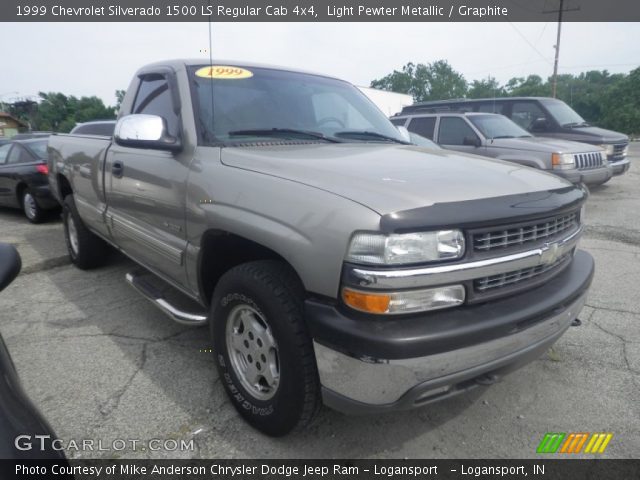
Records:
x=332, y=260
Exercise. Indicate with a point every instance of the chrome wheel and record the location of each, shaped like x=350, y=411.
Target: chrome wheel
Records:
x=73, y=234
x=253, y=351
x=29, y=206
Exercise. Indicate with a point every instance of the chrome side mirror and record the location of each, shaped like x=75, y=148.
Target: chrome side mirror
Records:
x=145, y=131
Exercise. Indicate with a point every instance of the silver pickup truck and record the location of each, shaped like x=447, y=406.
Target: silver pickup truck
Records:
x=496, y=136
x=331, y=260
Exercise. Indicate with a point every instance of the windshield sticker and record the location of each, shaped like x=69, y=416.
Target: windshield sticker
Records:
x=223, y=72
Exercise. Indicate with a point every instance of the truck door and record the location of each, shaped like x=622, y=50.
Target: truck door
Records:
x=454, y=133
x=146, y=187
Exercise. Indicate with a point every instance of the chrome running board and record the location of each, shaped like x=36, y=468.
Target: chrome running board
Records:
x=156, y=297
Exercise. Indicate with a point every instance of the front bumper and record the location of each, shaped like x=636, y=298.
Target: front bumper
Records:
x=620, y=166
x=595, y=176
x=372, y=364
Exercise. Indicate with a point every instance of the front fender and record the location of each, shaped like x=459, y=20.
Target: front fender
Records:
x=308, y=227
x=526, y=160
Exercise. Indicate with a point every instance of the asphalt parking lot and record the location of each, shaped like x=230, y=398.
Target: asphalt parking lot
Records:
x=103, y=364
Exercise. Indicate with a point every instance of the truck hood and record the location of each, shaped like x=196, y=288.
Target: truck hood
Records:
x=540, y=144
x=391, y=178
x=594, y=135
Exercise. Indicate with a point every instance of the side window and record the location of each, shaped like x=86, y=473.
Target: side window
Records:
x=19, y=155
x=454, y=130
x=492, y=107
x=4, y=152
x=526, y=114
x=423, y=126
x=104, y=129
x=154, y=98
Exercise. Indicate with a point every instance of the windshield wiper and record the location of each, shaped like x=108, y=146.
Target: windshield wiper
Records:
x=365, y=133
x=280, y=132
x=503, y=136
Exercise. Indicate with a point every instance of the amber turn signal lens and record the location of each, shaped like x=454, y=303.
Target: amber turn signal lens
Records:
x=365, y=301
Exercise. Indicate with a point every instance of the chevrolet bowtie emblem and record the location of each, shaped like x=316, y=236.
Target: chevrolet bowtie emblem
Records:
x=551, y=252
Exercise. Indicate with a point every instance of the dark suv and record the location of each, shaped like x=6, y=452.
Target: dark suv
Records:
x=543, y=117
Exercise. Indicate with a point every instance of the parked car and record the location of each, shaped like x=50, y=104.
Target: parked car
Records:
x=331, y=259
x=23, y=178
x=542, y=117
x=20, y=421
x=96, y=127
x=496, y=136
x=30, y=135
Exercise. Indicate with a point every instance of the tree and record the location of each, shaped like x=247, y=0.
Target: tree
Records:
x=119, y=98
x=621, y=104
x=53, y=109
x=486, y=88
x=445, y=82
x=404, y=81
x=532, y=86
x=434, y=81
x=58, y=113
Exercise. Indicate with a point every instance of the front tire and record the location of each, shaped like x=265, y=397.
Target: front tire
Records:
x=264, y=352
x=31, y=209
x=86, y=250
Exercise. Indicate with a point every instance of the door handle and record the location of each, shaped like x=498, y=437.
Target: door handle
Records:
x=117, y=169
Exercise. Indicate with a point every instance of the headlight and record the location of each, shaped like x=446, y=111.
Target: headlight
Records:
x=563, y=161
x=625, y=151
x=405, y=248
x=608, y=148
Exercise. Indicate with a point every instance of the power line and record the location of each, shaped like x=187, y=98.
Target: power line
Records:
x=601, y=65
x=529, y=43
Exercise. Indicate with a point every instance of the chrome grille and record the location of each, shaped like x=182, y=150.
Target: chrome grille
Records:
x=586, y=161
x=619, y=151
x=517, y=276
x=527, y=233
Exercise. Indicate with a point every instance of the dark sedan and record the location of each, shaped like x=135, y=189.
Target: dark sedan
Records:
x=23, y=178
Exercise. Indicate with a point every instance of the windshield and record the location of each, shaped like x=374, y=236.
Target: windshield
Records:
x=564, y=114
x=497, y=126
x=39, y=148
x=257, y=103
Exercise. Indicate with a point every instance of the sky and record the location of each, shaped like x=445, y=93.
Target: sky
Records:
x=85, y=59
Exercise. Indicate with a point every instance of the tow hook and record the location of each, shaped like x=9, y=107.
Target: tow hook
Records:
x=576, y=322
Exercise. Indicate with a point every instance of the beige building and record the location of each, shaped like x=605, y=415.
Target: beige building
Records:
x=9, y=125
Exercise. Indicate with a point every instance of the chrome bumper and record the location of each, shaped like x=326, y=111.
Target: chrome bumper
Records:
x=385, y=382
x=620, y=167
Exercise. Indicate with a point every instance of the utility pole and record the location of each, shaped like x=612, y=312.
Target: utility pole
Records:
x=560, y=11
